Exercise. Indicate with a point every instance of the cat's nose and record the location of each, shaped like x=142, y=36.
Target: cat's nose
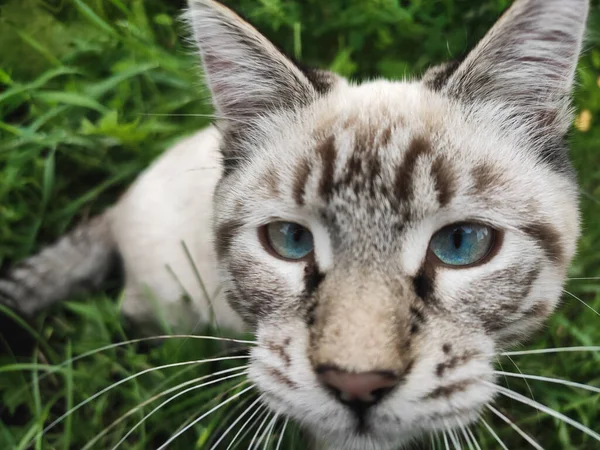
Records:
x=366, y=388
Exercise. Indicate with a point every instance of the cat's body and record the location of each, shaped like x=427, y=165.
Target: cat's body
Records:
x=372, y=327
x=158, y=227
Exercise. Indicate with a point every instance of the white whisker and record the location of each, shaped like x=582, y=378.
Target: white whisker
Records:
x=129, y=378
x=170, y=399
x=583, y=278
x=240, y=417
x=473, y=438
x=551, y=350
x=270, y=433
x=258, y=430
x=467, y=440
x=144, y=339
x=493, y=433
x=550, y=380
x=195, y=421
x=245, y=424
x=454, y=439
x=98, y=436
x=517, y=367
x=516, y=428
x=431, y=441
x=446, y=440
x=209, y=116
x=581, y=301
x=520, y=398
x=282, y=434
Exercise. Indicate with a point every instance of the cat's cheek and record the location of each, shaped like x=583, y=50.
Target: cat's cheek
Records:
x=260, y=286
x=507, y=298
x=281, y=370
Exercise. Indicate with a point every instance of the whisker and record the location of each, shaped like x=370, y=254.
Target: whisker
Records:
x=152, y=399
x=495, y=436
x=517, y=367
x=473, y=438
x=170, y=399
x=550, y=380
x=432, y=441
x=270, y=433
x=240, y=417
x=258, y=430
x=282, y=434
x=57, y=367
x=520, y=398
x=551, y=350
x=467, y=440
x=446, y=444
x=454, y=439
x=514, y=426
x=129, y=378
x=187, y=427
x=243, y=427
x=581, y=301
x=583, y=278
x=210, y=116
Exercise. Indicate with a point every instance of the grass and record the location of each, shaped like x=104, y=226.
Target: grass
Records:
x=91, y=91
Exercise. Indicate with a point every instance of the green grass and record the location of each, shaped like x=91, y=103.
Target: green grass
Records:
x=92, y=90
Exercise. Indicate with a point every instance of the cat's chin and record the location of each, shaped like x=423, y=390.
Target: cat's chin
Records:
x=381, y=431
x=388, y=436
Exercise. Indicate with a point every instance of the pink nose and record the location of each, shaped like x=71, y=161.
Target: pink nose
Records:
x=365, y=387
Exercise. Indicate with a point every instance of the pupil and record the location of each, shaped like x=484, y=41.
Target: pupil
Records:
x=457, y=238
x=297, y=235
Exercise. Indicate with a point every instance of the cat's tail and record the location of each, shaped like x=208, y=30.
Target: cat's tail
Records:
x=76, y=263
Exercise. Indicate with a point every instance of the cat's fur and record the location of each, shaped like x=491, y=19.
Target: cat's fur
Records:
x=373, y=170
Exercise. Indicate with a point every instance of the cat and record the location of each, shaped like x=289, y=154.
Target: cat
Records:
x=383, y=240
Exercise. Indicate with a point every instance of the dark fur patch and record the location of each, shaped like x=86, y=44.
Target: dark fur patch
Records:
x=539, y=311
x=417, y=318
x=312, y=278
x=280, y=350
x=444, y=180
x=281, y=378
x=224, y=235
x=271, y=180
x=418, y=147
x=485, y=176
x=300, y=179
x=385, y=137
x=548, y=238
x=436, y=77
x=328, y=154
x=453, y=362
x=423, y=285
x=322, y=80
x=311, y=317
x=448, y=391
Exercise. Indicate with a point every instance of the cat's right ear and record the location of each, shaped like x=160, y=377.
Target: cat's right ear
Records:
x=248, y=76
x=524, y=68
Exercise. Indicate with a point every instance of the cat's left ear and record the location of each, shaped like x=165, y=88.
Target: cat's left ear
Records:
x=248, y=76
x=524, y=66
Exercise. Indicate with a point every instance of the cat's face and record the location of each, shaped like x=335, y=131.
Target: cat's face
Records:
x=385, y=240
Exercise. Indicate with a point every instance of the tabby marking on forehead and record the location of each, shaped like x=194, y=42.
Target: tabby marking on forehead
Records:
x=419, y=147
x=444, y=179
x=326, y=150
x=300, y=179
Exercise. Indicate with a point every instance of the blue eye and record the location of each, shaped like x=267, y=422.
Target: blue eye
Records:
x=289, y=240
x=462, y=244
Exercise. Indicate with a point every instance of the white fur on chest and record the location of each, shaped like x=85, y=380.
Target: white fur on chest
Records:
x=169, y=209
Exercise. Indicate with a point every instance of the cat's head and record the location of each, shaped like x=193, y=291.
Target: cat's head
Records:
x=386, y=239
